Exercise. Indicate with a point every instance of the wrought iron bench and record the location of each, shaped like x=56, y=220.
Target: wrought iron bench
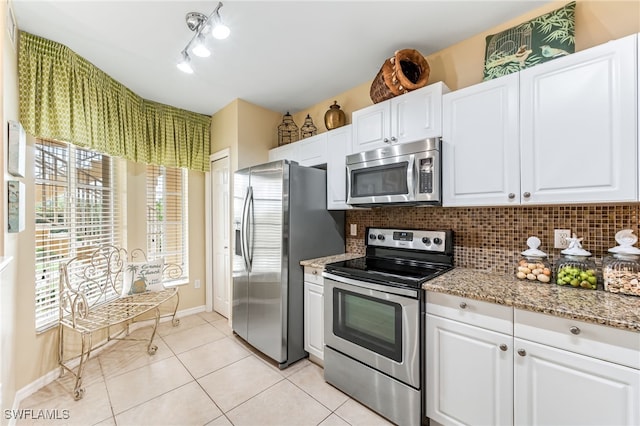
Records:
x=91, y=303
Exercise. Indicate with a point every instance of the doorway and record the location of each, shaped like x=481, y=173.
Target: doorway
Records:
x=219, y=286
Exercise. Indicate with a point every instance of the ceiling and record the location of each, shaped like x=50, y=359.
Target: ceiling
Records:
x=285, y=55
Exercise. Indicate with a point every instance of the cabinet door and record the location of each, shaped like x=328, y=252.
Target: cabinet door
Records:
x=371, y=127
x=558, y=387
x=469, y=378
x=418, y=114
x=314, y=319
x=284, y=152
x=481, y=154
x=578, y=126
x=312, y=151
x=338, y=147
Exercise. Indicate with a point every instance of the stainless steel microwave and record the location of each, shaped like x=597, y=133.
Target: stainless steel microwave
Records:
x=402, y=174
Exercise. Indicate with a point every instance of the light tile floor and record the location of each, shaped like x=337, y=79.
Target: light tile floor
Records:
x=201, y=375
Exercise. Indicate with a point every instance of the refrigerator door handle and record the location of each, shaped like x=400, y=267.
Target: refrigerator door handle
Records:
x=250, y=227
x=243, y=237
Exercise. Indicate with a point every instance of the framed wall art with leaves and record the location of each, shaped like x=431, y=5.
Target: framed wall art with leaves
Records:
x=538, y=40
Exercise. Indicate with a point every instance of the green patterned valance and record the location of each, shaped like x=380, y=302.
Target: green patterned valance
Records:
x=65, y=97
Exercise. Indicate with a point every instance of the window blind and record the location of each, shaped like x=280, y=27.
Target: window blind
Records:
x=167, y=216
x=76, y=211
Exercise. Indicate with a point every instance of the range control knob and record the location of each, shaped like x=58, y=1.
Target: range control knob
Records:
x=372, y=237
x=381, y=237
x=437, y=241
x=426, y=240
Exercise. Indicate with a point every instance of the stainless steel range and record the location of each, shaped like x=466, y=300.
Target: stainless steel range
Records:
x=374, y=319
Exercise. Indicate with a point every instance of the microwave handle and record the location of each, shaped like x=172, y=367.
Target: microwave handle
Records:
x=412, y=177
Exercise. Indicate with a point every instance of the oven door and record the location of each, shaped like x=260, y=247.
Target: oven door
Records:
x=367, y=322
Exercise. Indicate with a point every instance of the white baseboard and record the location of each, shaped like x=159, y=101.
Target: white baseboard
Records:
x=52, y=375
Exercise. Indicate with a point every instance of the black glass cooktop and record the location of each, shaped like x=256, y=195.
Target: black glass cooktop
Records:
x=405, y=272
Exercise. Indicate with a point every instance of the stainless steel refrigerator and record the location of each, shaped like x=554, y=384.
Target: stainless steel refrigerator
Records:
x=280, y=218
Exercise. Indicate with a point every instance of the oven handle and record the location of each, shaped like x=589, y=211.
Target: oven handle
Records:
x=372, y=286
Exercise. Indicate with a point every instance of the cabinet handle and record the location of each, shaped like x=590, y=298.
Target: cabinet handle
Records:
x=393, y=139
x=385, y=140
x=522, y=352
x=463, y=305
x=526, y=195
x=503, y=347
x=512, y=195
x=314, y=272
x=574, y=330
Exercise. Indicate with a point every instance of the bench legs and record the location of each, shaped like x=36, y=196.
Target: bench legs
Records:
x=85, y=353
x=151, y=348
x=176, y=321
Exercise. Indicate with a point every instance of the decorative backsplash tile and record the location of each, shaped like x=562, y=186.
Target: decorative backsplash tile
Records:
x=491, y=238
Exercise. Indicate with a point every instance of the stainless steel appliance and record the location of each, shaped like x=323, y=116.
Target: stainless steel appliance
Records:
x=405, y=174
x=280, y=218
x=374, y=319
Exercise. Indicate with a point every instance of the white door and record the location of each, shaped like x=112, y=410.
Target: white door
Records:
x=578, y=126
x=469, y=374
x=220, y=214
x=417, y=115
x=314, y=319
x=338, y=147
x=371, y=127
x=558, y=387
x=480, y=147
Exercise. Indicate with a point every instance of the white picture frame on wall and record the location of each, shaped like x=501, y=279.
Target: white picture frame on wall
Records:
x=16, y=163
x=16, y=206
x=12, y=26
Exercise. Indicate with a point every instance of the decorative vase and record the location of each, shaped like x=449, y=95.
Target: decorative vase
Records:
x=334, y=117
x=287, y=130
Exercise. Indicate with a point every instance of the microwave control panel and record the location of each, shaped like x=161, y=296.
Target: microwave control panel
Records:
x=425, y=178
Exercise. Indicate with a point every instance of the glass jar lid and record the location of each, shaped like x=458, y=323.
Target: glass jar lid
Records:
x=626, y=239
x=575, y=248
x=533, y=243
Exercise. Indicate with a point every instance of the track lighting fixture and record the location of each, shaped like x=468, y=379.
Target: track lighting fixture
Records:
x=202, y=25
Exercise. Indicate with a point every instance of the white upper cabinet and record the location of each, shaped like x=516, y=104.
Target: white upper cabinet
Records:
x=578, y=126
x=310, y=152
x=559, y=132
x=405, y=118
x=313, y=150
x=338, y=147
x=284, y=152
x=480, y=144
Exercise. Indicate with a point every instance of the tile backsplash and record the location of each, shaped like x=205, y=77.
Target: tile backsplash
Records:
x=492, y=238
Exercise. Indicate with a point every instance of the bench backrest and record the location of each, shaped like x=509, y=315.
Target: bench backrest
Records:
x=97, y=277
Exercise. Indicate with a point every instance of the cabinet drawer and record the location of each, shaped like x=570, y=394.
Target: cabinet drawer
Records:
x=313, y=275
x=470, y=311
x=598, y=341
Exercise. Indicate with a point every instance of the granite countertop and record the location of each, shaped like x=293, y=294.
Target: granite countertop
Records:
x=596, y=306
x=321, y=261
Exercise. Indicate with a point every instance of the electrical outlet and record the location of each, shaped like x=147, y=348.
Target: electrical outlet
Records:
x=560, y=238
x=354, y=229
x=196, y=284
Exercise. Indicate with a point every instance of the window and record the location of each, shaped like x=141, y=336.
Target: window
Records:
x=167, y=216
x=76, y=210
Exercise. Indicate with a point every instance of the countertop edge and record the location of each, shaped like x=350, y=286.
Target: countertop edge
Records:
x=597, y=307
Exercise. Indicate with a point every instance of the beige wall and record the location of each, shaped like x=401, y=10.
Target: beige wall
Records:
x=257, y=133
x=461, y=65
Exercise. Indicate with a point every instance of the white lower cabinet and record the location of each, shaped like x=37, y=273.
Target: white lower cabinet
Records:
x=489, y=364
x=314, y=312
x=567, y=372
x=469, y=374
x=469, y=361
